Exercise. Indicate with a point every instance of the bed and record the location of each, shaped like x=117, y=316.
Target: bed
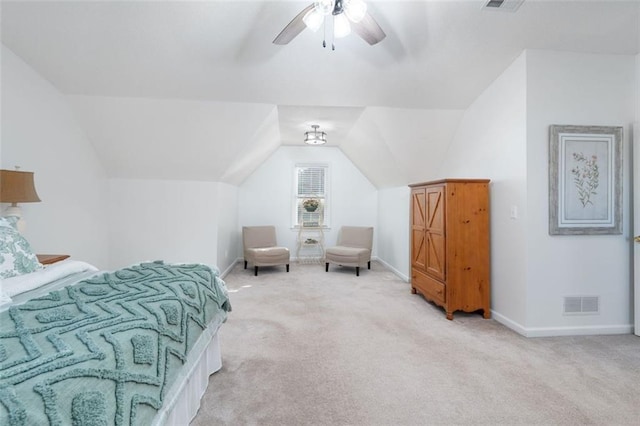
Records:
x=80, y=346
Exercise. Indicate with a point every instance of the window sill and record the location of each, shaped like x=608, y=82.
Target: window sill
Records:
x=298, y=227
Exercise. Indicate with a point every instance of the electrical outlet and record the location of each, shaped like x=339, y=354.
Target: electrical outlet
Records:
x=514, y=212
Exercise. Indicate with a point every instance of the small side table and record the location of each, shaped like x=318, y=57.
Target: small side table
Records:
x=48, y=259
x=310, y=238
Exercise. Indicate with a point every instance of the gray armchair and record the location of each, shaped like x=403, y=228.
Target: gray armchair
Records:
x=353, y=249
x=261, y=249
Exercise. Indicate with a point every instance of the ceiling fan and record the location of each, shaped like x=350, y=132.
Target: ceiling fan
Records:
x=347, y=15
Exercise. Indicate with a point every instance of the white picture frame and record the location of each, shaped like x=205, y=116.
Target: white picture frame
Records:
x=585, y=180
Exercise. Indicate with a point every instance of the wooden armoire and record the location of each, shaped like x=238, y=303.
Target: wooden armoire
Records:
x=450, y=244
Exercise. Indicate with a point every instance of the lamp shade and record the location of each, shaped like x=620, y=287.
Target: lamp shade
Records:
x=17, y=187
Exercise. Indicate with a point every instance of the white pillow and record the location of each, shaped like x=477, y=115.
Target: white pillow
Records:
x=11, y=221
x=16, y=256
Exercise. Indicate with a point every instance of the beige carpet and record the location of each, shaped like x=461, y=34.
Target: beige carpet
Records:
x=316, y=348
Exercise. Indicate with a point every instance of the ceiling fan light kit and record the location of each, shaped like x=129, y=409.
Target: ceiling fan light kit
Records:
x=325, y=7
x=315, y=137
x=355, y=10
x=313, y=20
x=341, y=26
x=348, y=15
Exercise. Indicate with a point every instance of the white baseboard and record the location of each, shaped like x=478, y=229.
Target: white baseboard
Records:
x=509, y=323
x=230, y=267
x=402, y=276
x=580, y=331
x=589, y=330
x=321, y=262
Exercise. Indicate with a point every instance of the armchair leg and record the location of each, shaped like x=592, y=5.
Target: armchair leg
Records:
x=326, y=268
x=287, y=267
x=357, y=271
x=255, y=273
x=369, y=265
x=245, y=264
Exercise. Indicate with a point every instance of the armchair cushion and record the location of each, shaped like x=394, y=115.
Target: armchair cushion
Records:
x=353, y=248
x=261, y=249
x=267, y=256
x=348, y=256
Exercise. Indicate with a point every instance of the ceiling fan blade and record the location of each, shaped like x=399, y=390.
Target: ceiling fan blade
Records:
x=369, y=30
x=293, y=28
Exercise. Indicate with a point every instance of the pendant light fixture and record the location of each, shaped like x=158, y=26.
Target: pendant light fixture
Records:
x=315, y=137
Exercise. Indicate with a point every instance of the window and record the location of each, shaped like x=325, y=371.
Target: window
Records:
x=311, y=185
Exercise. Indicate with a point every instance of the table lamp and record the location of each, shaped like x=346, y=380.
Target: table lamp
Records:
x=16, y=187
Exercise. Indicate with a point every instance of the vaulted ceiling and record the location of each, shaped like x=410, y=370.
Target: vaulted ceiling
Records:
x=196, y=89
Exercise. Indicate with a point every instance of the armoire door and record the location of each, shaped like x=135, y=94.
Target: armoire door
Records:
x=435, y=231
x=418, y=218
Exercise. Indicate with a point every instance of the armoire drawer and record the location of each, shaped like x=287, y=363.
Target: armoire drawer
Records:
x=430, y=288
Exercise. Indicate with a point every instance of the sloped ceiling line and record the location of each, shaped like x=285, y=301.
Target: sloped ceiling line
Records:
x=187, y=90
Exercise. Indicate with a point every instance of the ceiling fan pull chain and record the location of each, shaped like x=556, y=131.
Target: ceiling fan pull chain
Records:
x=333, y=35
x=324, y=33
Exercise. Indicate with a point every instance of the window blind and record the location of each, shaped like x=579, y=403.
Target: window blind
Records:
x=311, y=182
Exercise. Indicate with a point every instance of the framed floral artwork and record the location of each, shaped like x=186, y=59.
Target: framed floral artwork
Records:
x=585, y=180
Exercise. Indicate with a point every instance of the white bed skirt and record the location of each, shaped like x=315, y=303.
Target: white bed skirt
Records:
x=187, y=394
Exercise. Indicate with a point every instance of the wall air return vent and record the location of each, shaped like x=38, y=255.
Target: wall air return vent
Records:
x=503, y=5
x=581, y=305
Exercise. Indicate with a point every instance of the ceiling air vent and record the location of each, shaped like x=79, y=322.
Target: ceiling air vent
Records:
x=581, y=305
x=503, y=5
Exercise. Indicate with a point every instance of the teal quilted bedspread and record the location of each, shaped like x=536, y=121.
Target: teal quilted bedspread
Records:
x=105, y=350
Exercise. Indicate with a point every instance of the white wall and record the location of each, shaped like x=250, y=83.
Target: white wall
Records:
x=504, y=136
x=491, y=143
x=40, y=134
x=393, y=230
x=579, y=89
x=265, y=198
x=195, y=140
x=110, y=223
x=174, y=221
x=638, y=84
x=636, y=194
x=229, y=236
